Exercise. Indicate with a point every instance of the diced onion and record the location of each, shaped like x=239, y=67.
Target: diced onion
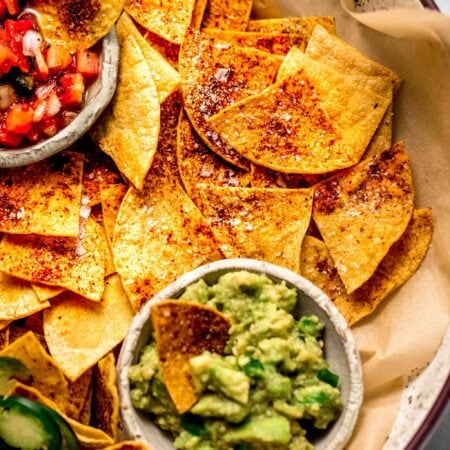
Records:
x=53, y=105
x=7, y=96
x=31, y=42
x=39, y=111
x=44, y=90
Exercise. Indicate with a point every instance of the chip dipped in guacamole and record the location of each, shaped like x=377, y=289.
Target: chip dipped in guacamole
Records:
x=270, y=382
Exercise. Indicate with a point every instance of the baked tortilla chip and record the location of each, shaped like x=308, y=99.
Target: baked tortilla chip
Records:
x=167, y=18
x=216, y=74
x=184, y=329
x=167, y=49
x=333, y=51
x=313, y=120
x=275, y=43
x=44, y=292
x=104, y=325
x=166, y=78
x=79, y=394
x=112, y=197
x=198, y=164
x=303, y=25
x=17, y=299
x=402, y=260
x=198, y=13
x=361, y=212
x=74, y=24
x=227, y=14
x=47, y=375
x=42, y=198
x=262, y=177
x=4, y=334
x=159, y=235
x=128, y=131
x=167, y=142
x=128, y=445
x=88, y=437
x=106, y=397
x=99, y=171
x=382, y=139
x=74, y=264
x=267, y=224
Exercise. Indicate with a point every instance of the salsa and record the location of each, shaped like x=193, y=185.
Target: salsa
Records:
x=42, y=85
x=271, y=384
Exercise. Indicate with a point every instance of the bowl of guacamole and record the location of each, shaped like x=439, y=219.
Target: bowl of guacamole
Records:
x=289, y=375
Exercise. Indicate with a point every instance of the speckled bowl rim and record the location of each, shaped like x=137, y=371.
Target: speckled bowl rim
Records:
x=355, y=397
x=83, y=121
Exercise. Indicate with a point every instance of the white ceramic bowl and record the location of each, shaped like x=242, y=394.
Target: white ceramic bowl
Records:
x=340, y=350
x=97, y=98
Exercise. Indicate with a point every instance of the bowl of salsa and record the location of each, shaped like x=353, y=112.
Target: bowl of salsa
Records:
x=289, y=375
x=49, y=96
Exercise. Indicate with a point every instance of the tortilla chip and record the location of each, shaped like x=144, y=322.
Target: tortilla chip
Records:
x=275, y=43
x=382, y=139
x=99, y=171
x=103, y=242
x=74, y=264
x=86, y=411
x=104, y=326
x=185, y=329
x=227, y=14
x=128, y=131
x=167, y=143
x=216, y=74
x=78, y=394
x=198, y=13
x=402, y=260
x=361, y=212
x=106, y=397
x=128, y=445
x=74, y=24
x=198, y=164
x=267, y=224
x=262, y=177
x=112, y=197
x=303, y=25
x=87, y=436
x=166, y=78
x=17, y=299
x=167, y=49
x=313, y=120
x=44, y=292
x=169, y=19
x=4, y=334
x=42, y=198
x=47, y=375
x=156, y=227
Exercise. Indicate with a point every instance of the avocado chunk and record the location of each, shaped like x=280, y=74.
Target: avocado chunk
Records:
x=212, y=405
x=213, y=372
x=261, y=430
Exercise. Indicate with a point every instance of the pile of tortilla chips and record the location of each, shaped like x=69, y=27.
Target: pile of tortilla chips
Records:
x=227, y=137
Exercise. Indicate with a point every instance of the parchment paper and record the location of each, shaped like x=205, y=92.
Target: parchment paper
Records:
x=406, y=330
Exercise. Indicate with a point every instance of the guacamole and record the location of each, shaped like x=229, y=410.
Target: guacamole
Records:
x=271, y=380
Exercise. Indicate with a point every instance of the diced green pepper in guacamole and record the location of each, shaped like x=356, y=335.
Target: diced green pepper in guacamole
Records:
x=272, y=378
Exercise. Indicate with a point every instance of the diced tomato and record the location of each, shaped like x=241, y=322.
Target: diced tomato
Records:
x=41, y=66
x=88, y=63
x=50, y=126
x=72, y=89
x=58, y=58
x=15, y=31
x=9, y=139
x=7, y=59
x=13, y=6
x=19, y=118
x=35, y=134
x=2, y=9
x=18, y=28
